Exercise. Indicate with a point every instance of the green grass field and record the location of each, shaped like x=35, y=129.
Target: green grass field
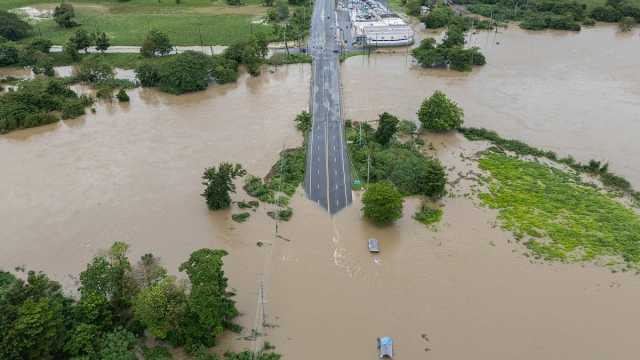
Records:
x=558, y=216
x=193, y=21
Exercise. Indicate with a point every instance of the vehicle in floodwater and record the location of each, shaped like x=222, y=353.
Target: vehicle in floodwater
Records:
x=374, y=247
x=385, y=347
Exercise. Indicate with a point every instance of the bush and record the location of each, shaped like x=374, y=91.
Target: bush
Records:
x=35, y=102
x=626, y=23
x=588, y=22
x=148, y=74
x=8, y=54
x=606, y=13
x=40, y=44
x=186, y=72
x=122, y=96
x=428, y=215
x=224, y=70
x=12, y=27
x=438, y=113
x=407, y=127
x=438, y=17
x=382, y=203
x=95, y=71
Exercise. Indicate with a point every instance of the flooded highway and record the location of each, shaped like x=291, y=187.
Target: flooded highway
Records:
x=131, y=172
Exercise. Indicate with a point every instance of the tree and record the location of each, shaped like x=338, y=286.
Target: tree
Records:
x=81, y=40
x=95, y=71
x=185, y=72
x=156, y=43
x=102, y=42
x=268, y=3
x=32, y=317
x=82, y=341
x=110, y=276
x=626, y=23
x=69, y=49
x=148, y=74
x=382, y=203
x=64, y=15
x=438, y=17
x=282, y=9
x=438, y=113
x=8, y=54
x=453, y=37
x=12, y=27
x=387, y=127
x=40, y=44
x=210, y=306
x=161, y=307
x=219, y=183
x=118, y=345
x=122, y=96
x=303, y=121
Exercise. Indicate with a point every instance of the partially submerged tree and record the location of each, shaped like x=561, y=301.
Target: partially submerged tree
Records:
x=387, y=127
x=219, y=183
x=439, y=113
x=382, y=203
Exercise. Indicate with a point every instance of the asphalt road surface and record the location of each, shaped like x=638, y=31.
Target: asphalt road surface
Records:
x=327, y=175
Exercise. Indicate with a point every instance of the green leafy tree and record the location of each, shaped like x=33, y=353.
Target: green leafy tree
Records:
x=382, y=203
x=81, y=40
x=110, y=276
x=64, y=15
x=218, y=184
x=8, y=54
x=161, y=307
x=387, y=127
x=211, y=308
x=122, y=96
x=156, y=43
x=40, y=44
x=32, y=317
x=102, y=42
x=439, y=113
x=438, y=17
x=83, y=341
x=69, y=49
x=12, y=27
x=282, y=9
x=118, y=345
x=95, y=71
x=303, y=121
x=185, y=72
x=453, y=37
x=148, y=74
x=268, y=3
x=148, y=271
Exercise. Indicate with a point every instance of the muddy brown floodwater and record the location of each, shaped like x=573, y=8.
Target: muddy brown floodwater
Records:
x=465, y=290
x=574, y=93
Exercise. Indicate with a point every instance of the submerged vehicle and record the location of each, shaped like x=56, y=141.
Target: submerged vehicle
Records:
x=385, y=347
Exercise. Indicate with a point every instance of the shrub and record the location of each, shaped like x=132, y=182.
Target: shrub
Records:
x=12, y=27
x=186, y=72
x=148, y=74
x=40, y=44
x=8, y=54
x=64, y=15
x=438, y=17
x=626, y=23
x=606, y=13
x=438, y=113
x=224, y=70
x=122, y=96
x=382, y=203
x=428, y=215
x=95, y=71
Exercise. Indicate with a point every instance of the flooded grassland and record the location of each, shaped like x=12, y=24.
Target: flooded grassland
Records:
x=131, y=172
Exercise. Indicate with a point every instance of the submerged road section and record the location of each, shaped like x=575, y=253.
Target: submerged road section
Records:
x=327, y=174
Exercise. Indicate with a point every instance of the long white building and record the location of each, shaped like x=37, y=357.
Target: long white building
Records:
x=375, y=25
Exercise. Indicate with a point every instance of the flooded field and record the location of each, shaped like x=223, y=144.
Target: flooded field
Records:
x=574, y=93
x=131, y=172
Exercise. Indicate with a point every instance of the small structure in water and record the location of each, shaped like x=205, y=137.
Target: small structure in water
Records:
x=385, y=347
x=374, y=247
